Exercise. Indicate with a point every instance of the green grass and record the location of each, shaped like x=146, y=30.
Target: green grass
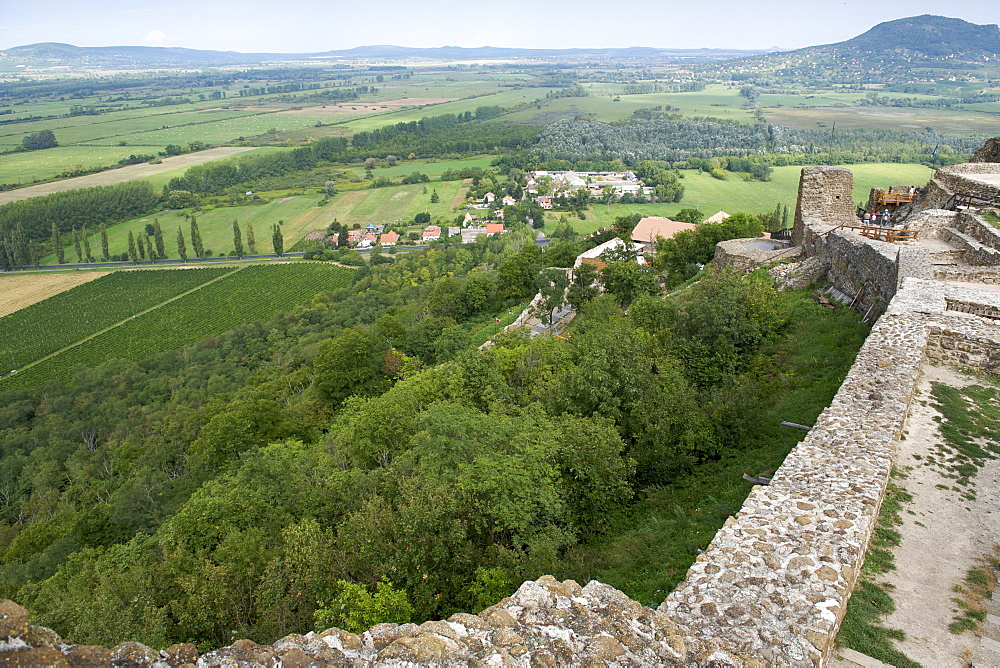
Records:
x=507, y=98
x=970, y=431
x=649, y=548
x=25, y=168
x=68, y=317
x=247, y=295
x=871, y=601
x=300, y=215
x=399, y=203
x=980, y=583
x=433, y=168
x=708, y=194
x=952, y=121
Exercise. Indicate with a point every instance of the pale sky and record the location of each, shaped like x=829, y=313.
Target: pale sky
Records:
x=301, y=26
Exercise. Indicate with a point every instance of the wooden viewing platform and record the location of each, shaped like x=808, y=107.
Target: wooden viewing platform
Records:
x=894, y=198
x=889, y=234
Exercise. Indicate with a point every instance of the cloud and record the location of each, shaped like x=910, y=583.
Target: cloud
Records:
x=154, y=37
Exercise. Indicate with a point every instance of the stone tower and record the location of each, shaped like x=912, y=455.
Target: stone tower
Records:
x=825, y=194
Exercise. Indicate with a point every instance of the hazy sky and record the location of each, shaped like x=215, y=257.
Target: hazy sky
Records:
x=298, y=26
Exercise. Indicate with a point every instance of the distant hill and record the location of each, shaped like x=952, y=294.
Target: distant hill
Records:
x=52, y=54
x=929, y=36
x=894, y=51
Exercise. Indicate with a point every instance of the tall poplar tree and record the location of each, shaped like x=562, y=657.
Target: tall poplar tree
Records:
x=132, y=253
x=86, y=246
x=251, y=239
x=277, y=241
x=237, y=238
x=142, y=248
x=105, y=253
x=181, y=246
x=57, y=245
x=161, y=249
x=76, y=245
x=150, y=251
x=196, y=245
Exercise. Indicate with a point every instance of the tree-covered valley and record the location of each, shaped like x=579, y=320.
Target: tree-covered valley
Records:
x=359, y=460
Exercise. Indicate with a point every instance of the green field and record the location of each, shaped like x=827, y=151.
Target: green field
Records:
x=951, y=121
x=298, y=215
x=433, y=168
x=68, y=317
x=399, y=204
x=709, y=195
x=25, y=168
x=246, y=295
x=716, y=100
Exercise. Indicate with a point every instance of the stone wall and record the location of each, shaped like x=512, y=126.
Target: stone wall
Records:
x=990, y=151
x=744, y=255
x=955, y=179
x=825, y=197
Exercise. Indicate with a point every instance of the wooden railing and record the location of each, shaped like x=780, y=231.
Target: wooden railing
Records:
x=889, y=234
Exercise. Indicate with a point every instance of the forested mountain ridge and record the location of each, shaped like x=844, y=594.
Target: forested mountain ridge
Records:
x=892, y=51
x=927, y=35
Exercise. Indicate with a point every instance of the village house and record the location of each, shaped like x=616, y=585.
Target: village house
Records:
x=544, y=202
x=651, y=228
x=508, y=200
x=454, y=231
x=494, y=228
x=389, y=238
x=717, y=218
x=354, y=237
x=570, y=181
x=470, y=234
x=367, y=241
x=431, y=233
x=593, y=256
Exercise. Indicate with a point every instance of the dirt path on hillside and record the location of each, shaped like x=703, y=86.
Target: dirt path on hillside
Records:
x=130, y=173
x=942, y=535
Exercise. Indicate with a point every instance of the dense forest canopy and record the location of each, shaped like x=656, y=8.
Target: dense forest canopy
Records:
x=245, y=485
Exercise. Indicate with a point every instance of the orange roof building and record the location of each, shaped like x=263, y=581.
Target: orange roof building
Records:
x=650, y=228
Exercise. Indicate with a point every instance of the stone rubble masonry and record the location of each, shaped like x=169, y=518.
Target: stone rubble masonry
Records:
x=773, y=585
x=961, y=179
x=990, y=151
x=743, y=256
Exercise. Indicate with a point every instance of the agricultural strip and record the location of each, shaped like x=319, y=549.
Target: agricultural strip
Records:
x=21, y=290
x=63, y=319
x=245, y=296
x=121, y=175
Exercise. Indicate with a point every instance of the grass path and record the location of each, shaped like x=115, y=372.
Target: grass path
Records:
x=121, y=322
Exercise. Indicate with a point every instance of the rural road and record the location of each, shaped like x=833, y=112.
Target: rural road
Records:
x=122, y=174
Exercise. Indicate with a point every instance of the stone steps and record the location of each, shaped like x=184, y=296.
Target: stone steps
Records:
x=973, y=251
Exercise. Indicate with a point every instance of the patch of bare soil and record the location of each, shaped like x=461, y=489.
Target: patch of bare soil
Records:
x=942, y=535
x=21, y=290
x=130, y=173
